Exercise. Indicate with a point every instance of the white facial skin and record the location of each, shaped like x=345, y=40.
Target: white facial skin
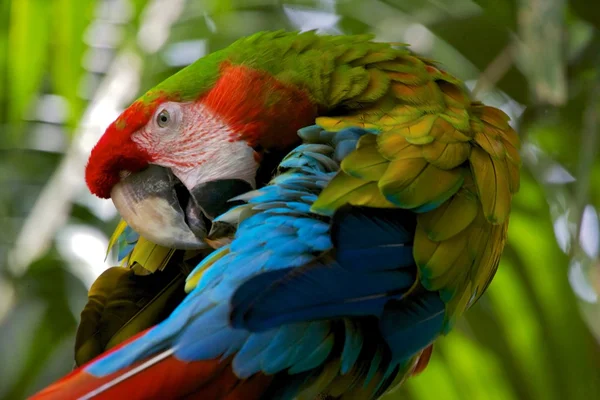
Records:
x=196, y=145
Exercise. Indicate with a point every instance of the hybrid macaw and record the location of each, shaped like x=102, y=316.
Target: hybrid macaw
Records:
x=327, y=272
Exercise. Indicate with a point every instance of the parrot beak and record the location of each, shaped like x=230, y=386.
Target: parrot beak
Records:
x=149, y=203
x=156, y=204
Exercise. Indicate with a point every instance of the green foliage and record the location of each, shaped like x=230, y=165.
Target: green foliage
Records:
x=525, y=339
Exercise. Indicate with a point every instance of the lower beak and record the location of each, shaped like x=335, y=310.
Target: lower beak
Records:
x=148, y=202
x=161, y=209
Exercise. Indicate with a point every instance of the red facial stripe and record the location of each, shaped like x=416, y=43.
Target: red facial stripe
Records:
x=115, y=151
x=260, y=109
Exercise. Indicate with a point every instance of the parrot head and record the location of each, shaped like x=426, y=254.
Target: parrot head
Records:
x=174, y=158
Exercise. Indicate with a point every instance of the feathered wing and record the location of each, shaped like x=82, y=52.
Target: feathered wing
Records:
x=434, y=151
x=331, y=344
x=133, y=297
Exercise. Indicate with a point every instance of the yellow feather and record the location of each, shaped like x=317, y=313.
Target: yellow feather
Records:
x=420, y=140
x=429, y=185
x=332, y=124
x=446, y=155
x=367, y=195
x=488, y=264
x=406, y=110
x=428, y=93
x=345, y=189
x=113, y=238
x=150, y=256
x=433, y=151
x=451, y=218
x=367, y=141
x=454, y=96
x=513, y=177
x=512, y=153
x=423, y=247
x=491, y=178
x=327, y=375
x=492, y=145
x=511, y=136
x=402, y=172
x=455, y=274
x=419, y=128
x=495, y=117
x=445, y=255
x=391, y=121
x=460, y=303
x=393, y=146
x=478, y=232
x=476, y=125
x=336, y=191
x=365, y=162
x=336, y=124
x=460, y=113
x=458, y=121
x=443, y=131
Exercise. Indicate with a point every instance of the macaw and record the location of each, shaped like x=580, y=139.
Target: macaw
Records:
x=348, y=201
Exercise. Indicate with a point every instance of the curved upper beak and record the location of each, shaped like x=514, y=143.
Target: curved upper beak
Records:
x=160, y=208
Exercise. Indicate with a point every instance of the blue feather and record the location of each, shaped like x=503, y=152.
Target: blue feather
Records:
x=282, y=349
x=247, y=360
x=315, y=334
x=344, y=148
x=212, y=345
x=352, y=346
x=315, y=358
x=410, y=326
x=311, y=133
x=377, y=237
x=348, y=134
x=327, y=163
x=317, y=291
x=375, y=362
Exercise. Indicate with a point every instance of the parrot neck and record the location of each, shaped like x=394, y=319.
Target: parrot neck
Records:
x=258, y=108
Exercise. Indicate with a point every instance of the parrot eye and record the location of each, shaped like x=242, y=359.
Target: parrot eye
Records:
x=163, y=118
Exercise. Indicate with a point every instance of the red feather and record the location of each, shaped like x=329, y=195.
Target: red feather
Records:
x=423, y=360
x=115, y=151
x=259, y=108
x=159, y=377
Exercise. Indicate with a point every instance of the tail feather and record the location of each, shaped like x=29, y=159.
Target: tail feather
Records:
x=423, y=360
x=160, y=376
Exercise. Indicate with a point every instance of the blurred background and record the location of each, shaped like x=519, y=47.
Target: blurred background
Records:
x=68, y=67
